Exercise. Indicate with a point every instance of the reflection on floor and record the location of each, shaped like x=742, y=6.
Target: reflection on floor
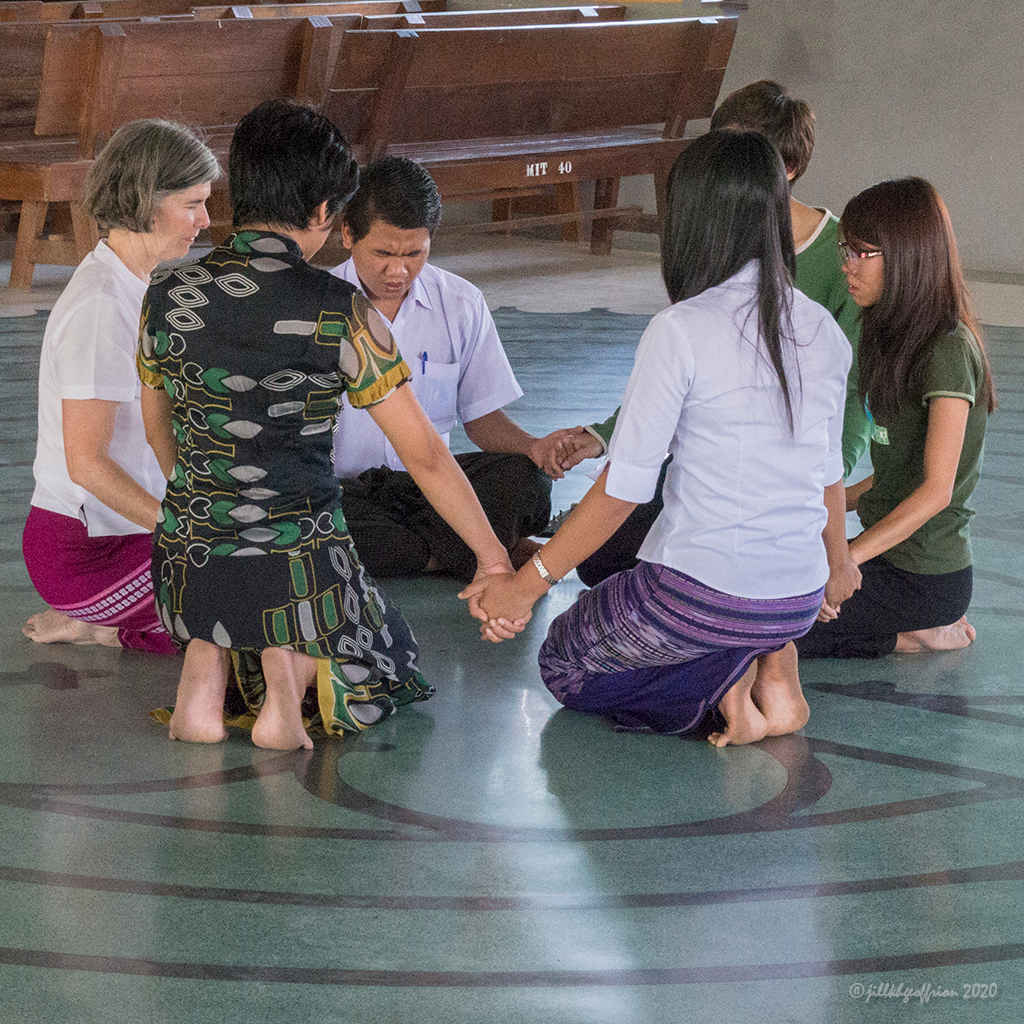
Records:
x=487, y=857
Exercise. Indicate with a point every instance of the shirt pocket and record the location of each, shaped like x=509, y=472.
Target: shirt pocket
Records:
x=436, y=386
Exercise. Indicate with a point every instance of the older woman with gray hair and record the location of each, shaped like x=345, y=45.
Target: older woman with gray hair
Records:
x=87, y=542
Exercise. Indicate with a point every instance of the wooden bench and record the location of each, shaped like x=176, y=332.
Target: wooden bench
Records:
x=22, y=44
x=97, y=77
x=493, y=112
x=563, y=197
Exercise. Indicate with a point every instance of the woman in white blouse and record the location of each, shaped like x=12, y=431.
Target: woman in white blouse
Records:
x=87, y=541
x=742, y=380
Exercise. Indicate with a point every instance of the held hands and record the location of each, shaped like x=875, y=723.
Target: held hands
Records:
x=843, y=580
x=497, y=601
x=559, y=451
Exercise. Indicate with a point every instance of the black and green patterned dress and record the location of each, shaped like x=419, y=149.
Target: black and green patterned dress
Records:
x=255, y=348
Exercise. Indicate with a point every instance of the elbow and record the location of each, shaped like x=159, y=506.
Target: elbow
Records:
x=939, y=496
x=428, y=458
x=81, y=469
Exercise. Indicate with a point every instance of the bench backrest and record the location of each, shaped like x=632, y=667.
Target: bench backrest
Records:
x=201, y=73
x=498, y=16
x=254, y=11
x=74, y=10
x=21, y=62
x=450, y=84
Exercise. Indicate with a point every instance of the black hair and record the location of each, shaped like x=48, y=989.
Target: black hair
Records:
x=728, y=204
x=398, y=191
x=286, y=159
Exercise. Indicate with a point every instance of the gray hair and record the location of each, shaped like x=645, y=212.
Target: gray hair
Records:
x=143, y=162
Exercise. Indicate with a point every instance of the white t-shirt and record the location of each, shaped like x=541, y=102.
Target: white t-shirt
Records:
x=89, y=352
x=464, y=376
x=743, y=495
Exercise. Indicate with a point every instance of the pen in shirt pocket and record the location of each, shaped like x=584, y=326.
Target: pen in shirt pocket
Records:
x=423, y=364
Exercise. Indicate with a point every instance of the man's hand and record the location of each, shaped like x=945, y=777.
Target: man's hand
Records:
x=555, y=453
x=579, y=447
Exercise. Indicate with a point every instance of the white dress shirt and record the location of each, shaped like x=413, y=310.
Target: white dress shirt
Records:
x=459, y=369
x=743, y=495
x=88, y=351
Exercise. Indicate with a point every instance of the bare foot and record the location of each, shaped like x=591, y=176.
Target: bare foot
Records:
x=777, y=693
x=198, y=715
x=743, y=722
x=53, y=627
x=523, y=552
x=279, y=725
x=940, y=638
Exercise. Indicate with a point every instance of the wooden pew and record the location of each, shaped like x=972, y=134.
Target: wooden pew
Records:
x=97, y=77
x=492, y=112
x=562, y=197
x=21, y=65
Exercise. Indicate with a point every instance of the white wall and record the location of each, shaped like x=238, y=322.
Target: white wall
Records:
x=928, y=87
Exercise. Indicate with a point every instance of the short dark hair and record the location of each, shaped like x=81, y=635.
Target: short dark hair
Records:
x=728, y=204
x=396, y=190
x=286, y=159
x=766, y=107
x=144, y=162
x=923, y=291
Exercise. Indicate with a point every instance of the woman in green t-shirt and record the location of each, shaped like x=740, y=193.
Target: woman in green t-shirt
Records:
x=927, y=381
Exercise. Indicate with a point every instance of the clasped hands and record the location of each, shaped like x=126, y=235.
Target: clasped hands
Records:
x=496, y=598
x=556, y=453
x=843, y=580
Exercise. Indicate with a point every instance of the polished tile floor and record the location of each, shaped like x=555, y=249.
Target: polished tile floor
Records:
x=488, y=857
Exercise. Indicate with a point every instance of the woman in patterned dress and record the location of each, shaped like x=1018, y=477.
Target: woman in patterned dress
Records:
x=87, y=542
x=246, y=356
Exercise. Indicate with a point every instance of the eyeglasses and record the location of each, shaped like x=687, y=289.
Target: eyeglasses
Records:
x=848, y=254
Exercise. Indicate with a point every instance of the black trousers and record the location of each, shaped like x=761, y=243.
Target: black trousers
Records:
x=396, y=530
x=890, y=601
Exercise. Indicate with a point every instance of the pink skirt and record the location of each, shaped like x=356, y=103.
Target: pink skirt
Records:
x=105, y=580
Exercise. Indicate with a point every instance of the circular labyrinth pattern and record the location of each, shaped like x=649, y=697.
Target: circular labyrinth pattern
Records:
x=484, y=856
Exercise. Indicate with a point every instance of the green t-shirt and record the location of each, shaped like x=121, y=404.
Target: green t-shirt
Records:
x=943, y=544
x=820, y=277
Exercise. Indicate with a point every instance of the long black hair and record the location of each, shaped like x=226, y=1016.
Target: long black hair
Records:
x=728, y=203
x=923, y=291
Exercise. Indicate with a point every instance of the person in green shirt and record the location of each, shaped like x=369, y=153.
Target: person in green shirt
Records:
x=787, y=123
x=927, y=382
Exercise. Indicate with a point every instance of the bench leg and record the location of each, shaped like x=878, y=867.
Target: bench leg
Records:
x=30, y=226
x=85, y=230
x=567, y=200
x=501, y=210
x=606, y=195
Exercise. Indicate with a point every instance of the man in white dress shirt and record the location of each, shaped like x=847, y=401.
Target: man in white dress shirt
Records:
x=459, y=372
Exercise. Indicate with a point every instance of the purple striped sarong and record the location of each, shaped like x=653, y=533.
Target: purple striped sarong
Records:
x=655, y=650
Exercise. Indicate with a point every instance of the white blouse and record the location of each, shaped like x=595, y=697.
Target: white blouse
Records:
x=89, y=352
x=743, y=495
